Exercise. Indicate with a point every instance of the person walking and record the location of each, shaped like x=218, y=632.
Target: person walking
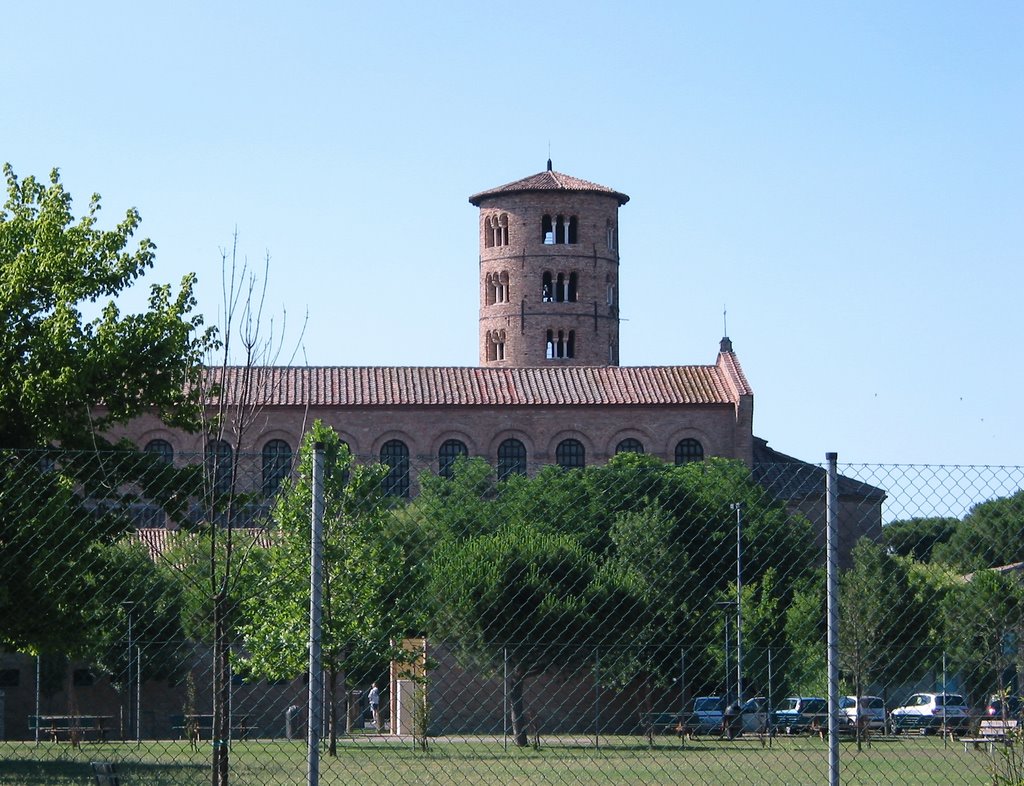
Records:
x=374, y=698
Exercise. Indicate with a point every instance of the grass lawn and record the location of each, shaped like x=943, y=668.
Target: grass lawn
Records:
x=906, y=761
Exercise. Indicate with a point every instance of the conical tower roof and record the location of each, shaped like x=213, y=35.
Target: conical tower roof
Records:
x=548, y=180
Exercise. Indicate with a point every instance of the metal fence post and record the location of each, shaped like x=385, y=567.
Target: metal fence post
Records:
x=597, y=698
x=832, y=592
x=315, y=697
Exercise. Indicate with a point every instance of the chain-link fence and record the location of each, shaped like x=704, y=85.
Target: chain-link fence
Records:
x=631, y=622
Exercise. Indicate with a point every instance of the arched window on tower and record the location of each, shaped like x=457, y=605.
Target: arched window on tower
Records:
x=609, y=288
x=547, y=231
x=511, y=458
x=570, y=454
x=547, y=287
x=495, y=341
x=561, y=287
x=496, y=288
x=277, y=463
x=688, y=450
x=450, y=450
x=496, y=230
x=559, y=229
x=560, y=345
x=571, y=293
x=611, y=235
x=395, y=455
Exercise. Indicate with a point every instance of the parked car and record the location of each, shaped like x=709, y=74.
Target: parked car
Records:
x=1013, y=706
x=870, y=710
x=798, y=714
x=928, y=713
x=755, y=715
x=706, y=715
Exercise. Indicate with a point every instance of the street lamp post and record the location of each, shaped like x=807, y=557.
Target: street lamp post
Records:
x=738, y=507
x=129, y=607
x=726, y=606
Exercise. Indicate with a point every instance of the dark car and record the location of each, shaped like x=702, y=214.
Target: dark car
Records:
x=798, y=714
x=1005, y=707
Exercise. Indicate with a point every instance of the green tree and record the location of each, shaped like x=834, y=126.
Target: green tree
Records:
x=765, y=648
x=990, y=536
x=806, y=669
x=984, y=623
x=867, y=628
x=918, y=537
x=66, y=380
x=656, y=543
x=364, y=569
x=521, y=596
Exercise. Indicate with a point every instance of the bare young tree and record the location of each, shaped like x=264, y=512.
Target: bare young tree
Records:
x=235, y=386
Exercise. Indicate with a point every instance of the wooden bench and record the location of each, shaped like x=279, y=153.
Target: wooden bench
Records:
x=72, y=727
x=992, y=732
x=199, y=727
x=663, y=722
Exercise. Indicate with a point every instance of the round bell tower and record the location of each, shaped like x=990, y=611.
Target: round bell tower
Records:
x=549, y=272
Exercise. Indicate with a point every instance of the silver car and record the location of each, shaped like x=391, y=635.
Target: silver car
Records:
x=870, y=711
x=928, y=713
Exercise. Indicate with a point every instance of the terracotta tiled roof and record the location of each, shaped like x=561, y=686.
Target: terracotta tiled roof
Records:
x=388, y=386
x=548, y=181
x=729, y=360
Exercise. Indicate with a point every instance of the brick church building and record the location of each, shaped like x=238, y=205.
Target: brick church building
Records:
x=549, y=388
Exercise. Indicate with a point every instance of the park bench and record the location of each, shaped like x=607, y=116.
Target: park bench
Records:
x=992, y=732
x=73, y=728
x=662, y=722
x=197, y=727
x=105, y=773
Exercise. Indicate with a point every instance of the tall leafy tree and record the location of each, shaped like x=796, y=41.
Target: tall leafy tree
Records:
x=865, y=626
x=522, y=596
x=644, y=549
x=67, y=378
x=918, y=537
x=991, y=535
x=364, y=570
x=984, y=623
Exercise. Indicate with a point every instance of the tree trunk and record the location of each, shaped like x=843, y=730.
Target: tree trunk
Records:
x=332, y=714
x=517, y=680
x=221, y=693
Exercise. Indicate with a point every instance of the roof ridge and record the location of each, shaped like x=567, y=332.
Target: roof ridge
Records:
x=484, y=385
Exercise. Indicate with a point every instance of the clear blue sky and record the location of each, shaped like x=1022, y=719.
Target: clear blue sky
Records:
x=847, y=179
